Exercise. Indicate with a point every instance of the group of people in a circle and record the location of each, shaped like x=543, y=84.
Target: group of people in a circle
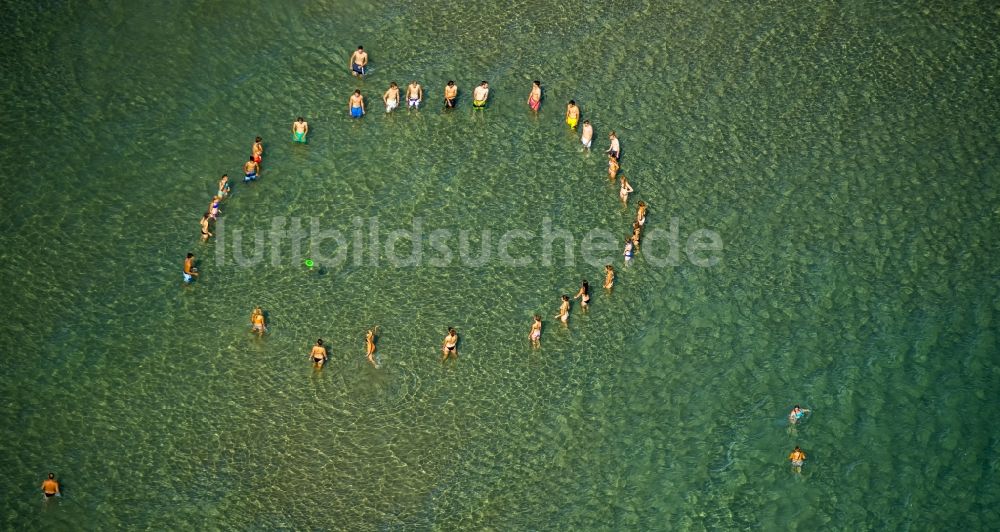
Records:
x=414, y=96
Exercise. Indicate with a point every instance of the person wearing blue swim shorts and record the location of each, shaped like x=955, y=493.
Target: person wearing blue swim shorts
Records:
x=250, y=170
x=356, y=104
x=359, y=62
x=190, y=272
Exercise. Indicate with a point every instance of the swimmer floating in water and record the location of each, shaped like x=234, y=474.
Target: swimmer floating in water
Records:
x=609, y=276
x=535, y=96
x=449, y=348
x=572, y=114
x=318, y=354
x=258, y=323
x=370, y=345
x=535, y=335
x=564, y=310
x=300, y=128
x=797, y=458
x=583, y=295
x=796, y=414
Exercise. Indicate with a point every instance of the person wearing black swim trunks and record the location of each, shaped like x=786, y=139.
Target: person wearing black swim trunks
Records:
x=318, y=354
x=449, y=348
x=450, y=94
x=50, y=486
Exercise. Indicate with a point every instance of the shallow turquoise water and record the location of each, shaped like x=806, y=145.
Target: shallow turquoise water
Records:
x=847, y=156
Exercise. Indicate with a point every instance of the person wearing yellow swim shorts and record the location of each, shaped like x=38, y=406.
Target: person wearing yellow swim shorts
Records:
x=480, y=94
x=572, y=114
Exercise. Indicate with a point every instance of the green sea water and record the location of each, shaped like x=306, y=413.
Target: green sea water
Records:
x=845, y=153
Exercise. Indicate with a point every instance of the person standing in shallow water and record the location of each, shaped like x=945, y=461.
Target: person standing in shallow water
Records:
x=224, y=187
x=615, y=150
x=414, y=95
x=564, y=310
x=572, y=114
x=640, y=213
x=535, y=96
x=535, y=335
x=625, y=189
x=250, y=170
x=300, y=128
x=370, y=345
x=356, y=104
x=205, y=233
x=587, y=134
x=449, y=347
x=450, y=94
x=318, y=354
x=189, y=271
x=797, y=458
x=258, y=323
x=480, y=94
x=609, y=276
x=50, y=487
x=258, y=150
x=583, y=295
x=391, y=97
x=359, y=62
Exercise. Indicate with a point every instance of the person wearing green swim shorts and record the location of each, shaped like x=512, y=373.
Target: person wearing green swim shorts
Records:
x=299, y=130
x=480, y=94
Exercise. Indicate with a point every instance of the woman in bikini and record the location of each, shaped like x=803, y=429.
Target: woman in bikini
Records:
x=625, y=190
x=640, y=214
x=205, y=233
x=223, y=186
x=318, y=354
x=584, y=295
x=258, y=322
x=564, y=310
x=214, y=208
x=612, y=168
x=536, y=332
